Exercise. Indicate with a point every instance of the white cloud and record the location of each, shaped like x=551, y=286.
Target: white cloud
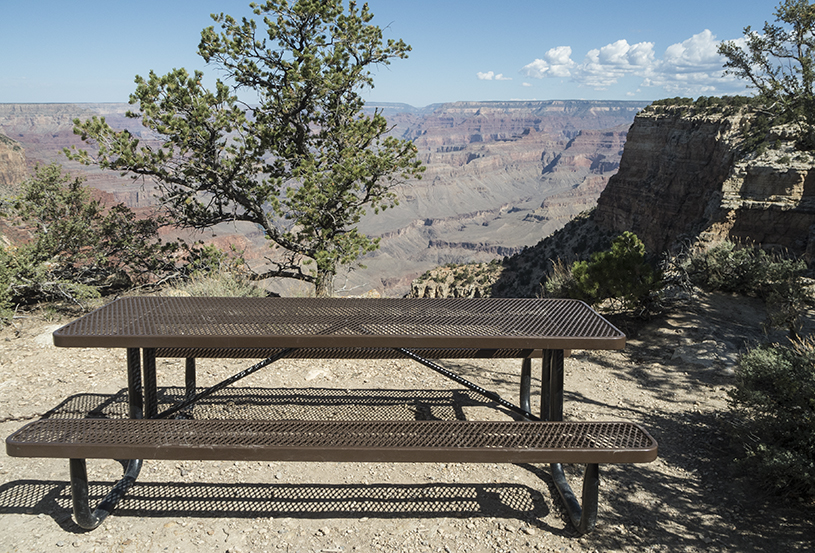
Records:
x=491, y=76
x=557, y=62
x=691, y=67
x=605, y=66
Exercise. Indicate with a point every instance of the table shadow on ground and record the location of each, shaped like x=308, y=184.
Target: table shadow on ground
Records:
x=291, y=404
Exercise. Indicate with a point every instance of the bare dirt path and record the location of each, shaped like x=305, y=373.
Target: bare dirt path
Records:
x=672, y=377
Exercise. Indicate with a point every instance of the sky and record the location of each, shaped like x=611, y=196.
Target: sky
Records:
x=476, y=50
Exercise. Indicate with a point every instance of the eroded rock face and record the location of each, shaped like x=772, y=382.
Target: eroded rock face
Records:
x=672, y=169
x=770, y=200
x=685, y=176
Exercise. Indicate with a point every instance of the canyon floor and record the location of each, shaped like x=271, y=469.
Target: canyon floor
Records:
x=672, y=377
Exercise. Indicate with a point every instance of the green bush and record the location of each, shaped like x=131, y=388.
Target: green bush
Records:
x=751, y=271
x=621, y=275
x=774, y=401
x=79, y=248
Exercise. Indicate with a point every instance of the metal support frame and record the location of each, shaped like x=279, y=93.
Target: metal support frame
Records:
x=85, y=517
x=143, y=401
x=582, y=518
x=524, y=412
x=89, y=518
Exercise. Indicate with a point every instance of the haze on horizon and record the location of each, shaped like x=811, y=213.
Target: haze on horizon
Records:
x=91, y=51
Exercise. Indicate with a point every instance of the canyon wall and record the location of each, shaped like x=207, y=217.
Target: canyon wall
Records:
x=12, y=164
x=685, y=176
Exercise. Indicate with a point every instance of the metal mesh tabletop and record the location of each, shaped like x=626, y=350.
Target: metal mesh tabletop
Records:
x=157, y=322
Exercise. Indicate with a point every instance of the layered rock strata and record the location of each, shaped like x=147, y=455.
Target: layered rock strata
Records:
x=686, y=176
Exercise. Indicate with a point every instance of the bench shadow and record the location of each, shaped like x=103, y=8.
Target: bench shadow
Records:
x=307, y=501
x=311, y=501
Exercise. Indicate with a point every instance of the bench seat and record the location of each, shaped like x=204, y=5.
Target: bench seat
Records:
x=434, y=441
x=388, y=441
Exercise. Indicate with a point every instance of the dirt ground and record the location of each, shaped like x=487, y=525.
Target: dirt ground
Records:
x=672, y=377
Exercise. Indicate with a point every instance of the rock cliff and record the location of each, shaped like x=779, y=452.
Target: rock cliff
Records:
x=687, y=176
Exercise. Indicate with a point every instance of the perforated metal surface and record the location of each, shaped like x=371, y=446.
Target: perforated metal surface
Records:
x=346, y=353
x=368, y=441
x=213, y=323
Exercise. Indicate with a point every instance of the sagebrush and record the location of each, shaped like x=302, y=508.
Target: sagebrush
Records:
x=774, y=402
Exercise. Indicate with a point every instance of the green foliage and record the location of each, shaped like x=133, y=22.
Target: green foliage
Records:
x=6, y=279
x=774, y=400
x=779, y=63
x=751, y=271
x=79, y=248
x=303, y=163
x=620, y=274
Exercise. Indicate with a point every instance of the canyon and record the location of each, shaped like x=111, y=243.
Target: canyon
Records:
x=500, y=177
x=686, y=180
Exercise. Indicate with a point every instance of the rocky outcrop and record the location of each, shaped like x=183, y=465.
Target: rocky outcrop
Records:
x=685, y=176
x=12, y=164
x=671, y=172
x=464, y=281
x=769, y=200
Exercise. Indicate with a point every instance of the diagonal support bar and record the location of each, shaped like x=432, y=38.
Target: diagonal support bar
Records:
x=221, y=385
x=470, y=385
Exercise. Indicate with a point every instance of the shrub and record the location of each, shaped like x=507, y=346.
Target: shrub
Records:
x=751, y=271
x=620, y=274
x=560, y=283
x=79, y=248
x=212, y=272
x=774, y=399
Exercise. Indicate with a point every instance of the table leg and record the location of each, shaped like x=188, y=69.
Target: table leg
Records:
x=87, y=517
x=552, y=385
x=584, y=517
x=526, y=384
x=134, y=385
x=189, y=378
x=150, y=385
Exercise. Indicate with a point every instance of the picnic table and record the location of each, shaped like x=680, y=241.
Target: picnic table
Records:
x=272, y=329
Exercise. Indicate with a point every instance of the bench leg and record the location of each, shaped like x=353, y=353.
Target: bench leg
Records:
x=90, y=519
x=583, y=518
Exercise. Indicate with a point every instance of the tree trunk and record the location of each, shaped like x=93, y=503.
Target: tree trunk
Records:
x=324, y=285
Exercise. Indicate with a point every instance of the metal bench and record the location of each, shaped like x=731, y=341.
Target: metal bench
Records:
x=590, y=443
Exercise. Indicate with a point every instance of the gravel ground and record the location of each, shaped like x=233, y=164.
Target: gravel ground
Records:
x=672, y=377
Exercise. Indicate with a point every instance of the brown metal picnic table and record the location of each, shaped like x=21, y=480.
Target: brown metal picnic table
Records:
x=423, y=330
